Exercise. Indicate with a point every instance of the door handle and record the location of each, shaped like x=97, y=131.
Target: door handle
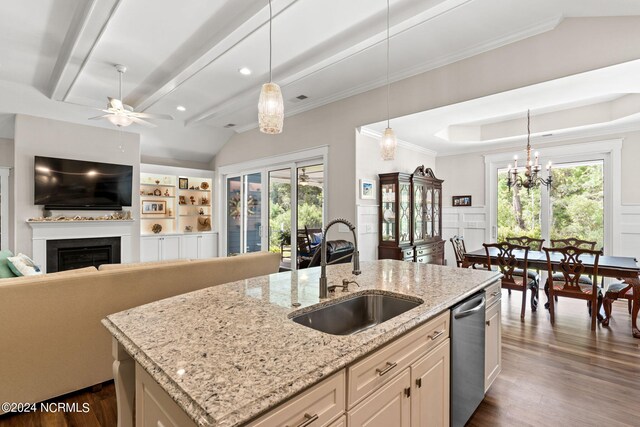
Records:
x=469, y=312
x=435, y=335
x=390, y=366
x=308, y=420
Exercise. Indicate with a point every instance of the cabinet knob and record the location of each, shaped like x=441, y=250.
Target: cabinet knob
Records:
x=488, y=322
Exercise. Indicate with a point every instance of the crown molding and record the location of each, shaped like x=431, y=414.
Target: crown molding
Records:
x=404, y=144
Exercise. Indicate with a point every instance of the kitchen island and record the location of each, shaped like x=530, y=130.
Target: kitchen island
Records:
x=229, y=354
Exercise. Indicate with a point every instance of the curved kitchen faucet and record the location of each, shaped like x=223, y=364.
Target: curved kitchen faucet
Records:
x=324, y=292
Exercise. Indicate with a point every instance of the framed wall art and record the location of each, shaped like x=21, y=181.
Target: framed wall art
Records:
x=367, y=189
x=457, y=201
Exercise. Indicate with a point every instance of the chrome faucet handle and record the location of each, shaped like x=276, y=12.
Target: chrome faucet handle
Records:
x=345, y=284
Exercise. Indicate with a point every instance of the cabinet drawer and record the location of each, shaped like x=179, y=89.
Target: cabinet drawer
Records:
x=492, y=293
x=407, y=253
x=377, y=368
x=424, y=250
x=325, y=401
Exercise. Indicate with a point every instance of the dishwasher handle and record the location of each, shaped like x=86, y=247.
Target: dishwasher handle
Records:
x=469, y=312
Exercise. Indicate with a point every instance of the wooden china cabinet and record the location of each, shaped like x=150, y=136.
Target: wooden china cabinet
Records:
x=410, y=220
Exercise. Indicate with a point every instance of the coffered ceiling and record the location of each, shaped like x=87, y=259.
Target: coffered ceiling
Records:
x=188, y=53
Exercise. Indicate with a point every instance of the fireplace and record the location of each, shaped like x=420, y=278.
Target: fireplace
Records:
x=69, y=254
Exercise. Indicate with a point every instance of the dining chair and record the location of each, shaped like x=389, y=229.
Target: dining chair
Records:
x=577, y=243
x=566, y=280
x=614, y=292
x=459, y=250
x=533, y=245
x=507, y=263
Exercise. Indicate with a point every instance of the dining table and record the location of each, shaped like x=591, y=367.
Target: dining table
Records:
x=623, y=268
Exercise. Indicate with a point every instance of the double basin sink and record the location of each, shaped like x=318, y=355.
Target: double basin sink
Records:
x=356, y=314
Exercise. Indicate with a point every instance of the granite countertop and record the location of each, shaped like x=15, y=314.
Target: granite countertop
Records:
x=228, y=353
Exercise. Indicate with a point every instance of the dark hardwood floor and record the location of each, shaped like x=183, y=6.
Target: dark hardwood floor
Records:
x=561, y=376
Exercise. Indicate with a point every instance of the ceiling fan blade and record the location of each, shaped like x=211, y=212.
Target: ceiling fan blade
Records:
x=141, y=122
x=154, y=116
x=115, y=104
x=104, y=116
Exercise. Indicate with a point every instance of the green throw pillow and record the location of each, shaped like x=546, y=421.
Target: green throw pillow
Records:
x=5, y=271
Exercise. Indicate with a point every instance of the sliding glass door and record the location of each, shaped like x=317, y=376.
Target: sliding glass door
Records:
x=244, y=214
x=295, y=196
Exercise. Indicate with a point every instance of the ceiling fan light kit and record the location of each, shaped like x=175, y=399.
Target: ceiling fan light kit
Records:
x=121, y=114
x=270, y=104
x=388, y=142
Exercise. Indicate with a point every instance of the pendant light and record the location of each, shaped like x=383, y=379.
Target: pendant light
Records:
x=270, y=105
x=388, y=143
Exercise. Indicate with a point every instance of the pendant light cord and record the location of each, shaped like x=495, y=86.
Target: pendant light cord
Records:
x=120, y=73
x=270, y=46
x=388, y=115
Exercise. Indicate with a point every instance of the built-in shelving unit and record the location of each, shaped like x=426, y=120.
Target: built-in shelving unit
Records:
x=183, y=209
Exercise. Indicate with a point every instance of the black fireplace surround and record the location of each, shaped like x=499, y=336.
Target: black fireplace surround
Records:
x=69, y=254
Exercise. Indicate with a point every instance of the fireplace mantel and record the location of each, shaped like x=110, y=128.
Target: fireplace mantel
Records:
x=56, y=230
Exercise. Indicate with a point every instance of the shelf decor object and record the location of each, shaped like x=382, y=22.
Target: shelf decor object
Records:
x=531, y=168
x=270, y=104
x=154, y=207
x=183, y=183
x=388, y=142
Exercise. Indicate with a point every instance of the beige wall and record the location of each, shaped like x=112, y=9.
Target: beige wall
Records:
x=368, y=166
x=35, y=136
x=6, y=152
x=575, y=46
x=465, y=173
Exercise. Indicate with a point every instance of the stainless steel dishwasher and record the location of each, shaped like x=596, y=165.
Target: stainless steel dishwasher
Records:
x=467, y=358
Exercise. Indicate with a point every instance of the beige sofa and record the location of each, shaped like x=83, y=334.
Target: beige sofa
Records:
x=52, y=339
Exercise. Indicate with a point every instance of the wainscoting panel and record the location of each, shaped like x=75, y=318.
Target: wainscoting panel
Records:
x=630, y=231
x=367, y=227
x=468, y=222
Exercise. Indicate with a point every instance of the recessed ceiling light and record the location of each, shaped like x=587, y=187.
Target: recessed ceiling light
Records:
x=244, y=71
x=181, y=108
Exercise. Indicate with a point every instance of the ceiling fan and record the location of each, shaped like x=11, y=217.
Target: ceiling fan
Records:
x=121, y=114
x=305, y=179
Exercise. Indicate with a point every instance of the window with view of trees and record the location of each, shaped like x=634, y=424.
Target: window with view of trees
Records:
x=576, y=205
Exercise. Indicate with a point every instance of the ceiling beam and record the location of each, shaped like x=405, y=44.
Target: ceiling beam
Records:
x=87, y=27
x=237, y=28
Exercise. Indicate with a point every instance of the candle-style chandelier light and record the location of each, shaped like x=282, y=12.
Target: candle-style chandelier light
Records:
x=530, y=178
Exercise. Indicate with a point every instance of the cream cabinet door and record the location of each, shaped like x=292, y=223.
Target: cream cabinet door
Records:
x=150, y=249
x=389, y=406
x=430, y=382
x=170, y=248
x=493, y=345
x=190, y=246
x=208, y=246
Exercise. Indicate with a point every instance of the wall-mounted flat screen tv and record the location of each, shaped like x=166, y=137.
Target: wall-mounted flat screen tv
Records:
x=76, y=184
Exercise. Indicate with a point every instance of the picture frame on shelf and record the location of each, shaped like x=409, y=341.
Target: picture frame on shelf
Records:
x=183, y=183
x=158, y=207
x=367, y=189
x=460, y=201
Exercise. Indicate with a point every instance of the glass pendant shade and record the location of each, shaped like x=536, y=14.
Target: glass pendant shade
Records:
x=120, y=120
x=270, y=109
x=388, y=145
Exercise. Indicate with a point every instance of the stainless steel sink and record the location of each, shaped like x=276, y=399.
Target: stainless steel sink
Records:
x=356, y=314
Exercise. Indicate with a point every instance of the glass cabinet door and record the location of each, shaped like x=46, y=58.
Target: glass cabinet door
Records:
x=404, y=220
x=418, y=211
x=429, y=214
x=436, y=212
x=388, y=212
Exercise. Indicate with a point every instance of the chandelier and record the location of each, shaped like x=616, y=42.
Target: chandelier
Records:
x=529, y=179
